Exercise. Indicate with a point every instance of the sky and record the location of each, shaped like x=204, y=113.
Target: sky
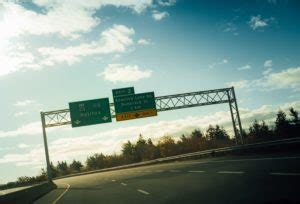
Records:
x=53, y=52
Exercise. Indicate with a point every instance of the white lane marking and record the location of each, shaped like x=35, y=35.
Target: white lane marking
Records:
x=196, y=171
x=174, y=171
x=230, y=172
x=59, y=197
x=144, y=192
x=284, y=174
x=113, y=180
x=259, y=159
x=235, y=160
x=2, y=192
x=123, y=184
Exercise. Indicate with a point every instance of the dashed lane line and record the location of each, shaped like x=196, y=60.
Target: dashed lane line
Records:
x=142, y=191
x=174, y=171
x=284, y=174
x=61, y=195
x=230, y=172
x=123, y=184
x=196, y=171
x=113, y=180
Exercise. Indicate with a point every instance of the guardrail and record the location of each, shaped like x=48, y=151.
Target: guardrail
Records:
x=194, y=154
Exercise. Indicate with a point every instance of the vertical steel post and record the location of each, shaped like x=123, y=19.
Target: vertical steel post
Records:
x=49, y=173
x=238, y=116
x=232, y=117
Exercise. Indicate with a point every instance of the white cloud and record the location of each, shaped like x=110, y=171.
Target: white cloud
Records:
x=238, y=84
x=115, y=39
x=28, y=129
x=216, y=64
x=24, y=103
x=67, y=19
x=245, y=67
x=19, y=114
x=124, y=73
x=257, y=22
x=158, y=16
x=230, y=27
x=287, y=78
x=166, y=2
x=111, y=141
x=268, y=63
x=267, y=71
x=14, y=57
x=22, y=146
x=143, y=41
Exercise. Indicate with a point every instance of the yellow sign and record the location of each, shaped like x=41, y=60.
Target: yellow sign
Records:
x=136, y=114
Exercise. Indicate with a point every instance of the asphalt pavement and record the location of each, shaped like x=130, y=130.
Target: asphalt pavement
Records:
x=243, y=179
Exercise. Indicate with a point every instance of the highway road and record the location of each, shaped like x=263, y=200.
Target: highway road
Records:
x=243, y=179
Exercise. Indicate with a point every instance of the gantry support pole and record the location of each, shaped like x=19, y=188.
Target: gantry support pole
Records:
x=238, y=116
x=49, y=173
x=232, y=118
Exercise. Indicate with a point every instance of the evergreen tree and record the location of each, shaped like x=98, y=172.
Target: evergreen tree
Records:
x=62, y=168
x=282, y=126
x=76, y=166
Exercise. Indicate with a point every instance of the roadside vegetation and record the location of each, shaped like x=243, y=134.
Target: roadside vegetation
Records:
x=286, y=125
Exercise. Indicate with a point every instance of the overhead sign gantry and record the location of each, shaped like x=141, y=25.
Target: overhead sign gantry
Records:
x=128, y=105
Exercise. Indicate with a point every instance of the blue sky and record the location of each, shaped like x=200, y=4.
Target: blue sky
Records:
x=53, y=52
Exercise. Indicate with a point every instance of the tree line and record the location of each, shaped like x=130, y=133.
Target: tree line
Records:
x=144, y=150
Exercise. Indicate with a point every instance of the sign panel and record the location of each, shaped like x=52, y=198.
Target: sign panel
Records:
x=123, y=91
x=135, y=106
x=90, y=112
x=136, y=114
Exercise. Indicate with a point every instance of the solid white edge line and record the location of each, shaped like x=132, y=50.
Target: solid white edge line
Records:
x=59, y=197
x=230, y=172
x=2, y=192
x=284, y=174
x=142, y=191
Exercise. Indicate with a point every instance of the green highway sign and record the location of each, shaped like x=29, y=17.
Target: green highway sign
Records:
x=90, y=112
x=123, y=91
x=135, y=106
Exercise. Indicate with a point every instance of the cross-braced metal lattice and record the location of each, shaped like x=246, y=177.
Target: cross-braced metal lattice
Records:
x=170, y=102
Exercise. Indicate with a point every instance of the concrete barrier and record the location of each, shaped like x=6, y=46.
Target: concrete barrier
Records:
x=28, y=195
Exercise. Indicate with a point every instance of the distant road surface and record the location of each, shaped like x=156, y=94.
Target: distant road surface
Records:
x=251, y=179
